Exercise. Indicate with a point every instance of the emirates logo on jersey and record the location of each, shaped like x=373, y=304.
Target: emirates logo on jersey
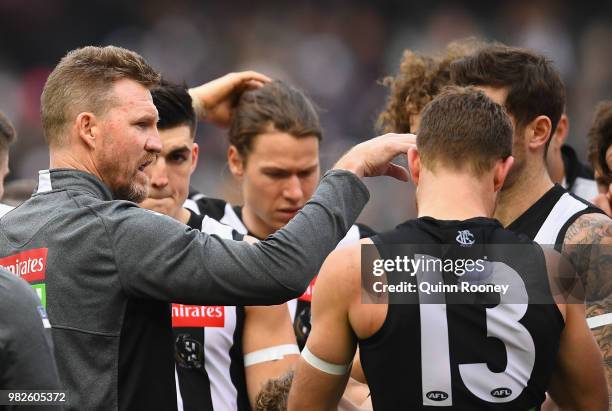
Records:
x=465, y=238
x=31, y=266
x=197, y=316
x=307, y=296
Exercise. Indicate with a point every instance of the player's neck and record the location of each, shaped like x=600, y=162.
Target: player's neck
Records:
x=454, y=197
x=254, y=224
x=526, y=190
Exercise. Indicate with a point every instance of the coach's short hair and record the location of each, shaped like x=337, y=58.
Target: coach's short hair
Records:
x=275, y=106
x=462, y=128
x=7, y=133
x=600, y=139
x=174, y=106
x=419, y=79
x=534, y=84
x=82, y=81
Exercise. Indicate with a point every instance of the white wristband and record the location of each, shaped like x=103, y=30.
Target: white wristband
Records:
x=275, y=353
x=326, y=367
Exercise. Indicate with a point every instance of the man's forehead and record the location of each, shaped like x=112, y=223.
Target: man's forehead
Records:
x=131, y=94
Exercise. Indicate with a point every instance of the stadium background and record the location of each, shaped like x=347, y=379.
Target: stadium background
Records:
x=336, y=51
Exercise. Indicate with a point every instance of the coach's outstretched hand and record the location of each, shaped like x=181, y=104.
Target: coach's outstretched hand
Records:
x=373, y=157
x=213, y=101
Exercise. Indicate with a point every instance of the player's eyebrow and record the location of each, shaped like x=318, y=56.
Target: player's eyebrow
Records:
x=178, y=150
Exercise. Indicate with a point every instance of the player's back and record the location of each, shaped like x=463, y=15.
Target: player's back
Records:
x=461, y=348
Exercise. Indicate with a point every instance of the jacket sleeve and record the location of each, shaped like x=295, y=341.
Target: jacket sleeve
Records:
x=26, y=352
x=160, y=258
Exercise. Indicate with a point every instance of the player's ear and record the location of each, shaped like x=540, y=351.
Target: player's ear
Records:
x=235, y=161
x=195, y=152
x=502, y=167
x=87, y=128
x=414, y=164
x=538, y=132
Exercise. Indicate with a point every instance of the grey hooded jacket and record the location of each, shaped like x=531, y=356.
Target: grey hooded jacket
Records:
x=108, y=269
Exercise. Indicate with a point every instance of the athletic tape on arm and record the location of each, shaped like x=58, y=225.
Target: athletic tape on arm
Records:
x=325, y=366
x=278, y=352
x=599, y=320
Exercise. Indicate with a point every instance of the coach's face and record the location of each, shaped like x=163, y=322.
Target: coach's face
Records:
x=129, y=140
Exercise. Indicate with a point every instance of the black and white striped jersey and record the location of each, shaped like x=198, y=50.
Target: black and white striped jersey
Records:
x=438, y=352
x=299, y=308
x=547, y=220
x=208, y=346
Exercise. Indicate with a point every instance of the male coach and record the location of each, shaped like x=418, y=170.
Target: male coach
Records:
x=108, y=269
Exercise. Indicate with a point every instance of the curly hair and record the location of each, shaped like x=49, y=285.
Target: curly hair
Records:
x=274, y=394
x=421, y=77
x=600, y=138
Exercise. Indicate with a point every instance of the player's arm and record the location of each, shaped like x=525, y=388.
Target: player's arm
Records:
x=588, y=245
x=324, y=368
x=578, y=381
x=269, y=346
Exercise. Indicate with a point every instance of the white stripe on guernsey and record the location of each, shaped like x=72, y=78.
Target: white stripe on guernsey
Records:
x=179, y=397
x=212, y=226
x=563, y=210
x=599, y=320
x=198, y=196
x=351, y=237
x=585, y=188
x=275, y=353
x=44, y=181
x=322, y=365
x=4, y=208
x=231, y=218
x=292, y=306
x=217, y=361
x=192, y=205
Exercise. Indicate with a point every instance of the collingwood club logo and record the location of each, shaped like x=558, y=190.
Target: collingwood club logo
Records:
x=465, y=237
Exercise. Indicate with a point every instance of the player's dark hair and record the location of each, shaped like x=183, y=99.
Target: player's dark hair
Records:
x=462, y=127
x=7, y=132
x=276, y=106
x=174, y=106
x=600, y=139
x=534, y=85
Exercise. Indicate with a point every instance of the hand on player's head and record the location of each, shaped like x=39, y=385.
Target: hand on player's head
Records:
x=373, y=157
x=213, y=100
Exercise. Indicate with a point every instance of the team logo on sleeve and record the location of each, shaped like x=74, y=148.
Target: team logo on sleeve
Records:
x=30, y=266
x=197, y=316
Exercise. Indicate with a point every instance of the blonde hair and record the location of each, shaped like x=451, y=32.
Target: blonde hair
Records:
x=82, y=81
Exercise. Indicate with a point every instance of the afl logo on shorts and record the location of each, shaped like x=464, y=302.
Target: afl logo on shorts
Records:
x=465, y=238
x=437, y=395
x=501, y=392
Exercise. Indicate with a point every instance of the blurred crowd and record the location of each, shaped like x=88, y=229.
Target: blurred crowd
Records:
x=337, y=52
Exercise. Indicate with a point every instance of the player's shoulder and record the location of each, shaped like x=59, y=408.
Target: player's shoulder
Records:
x=210, y=206
x=341, y=271
x=590, y=228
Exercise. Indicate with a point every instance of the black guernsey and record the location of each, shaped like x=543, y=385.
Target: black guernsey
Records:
x=547, y=220
x=464, y=356
x=299, y=308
